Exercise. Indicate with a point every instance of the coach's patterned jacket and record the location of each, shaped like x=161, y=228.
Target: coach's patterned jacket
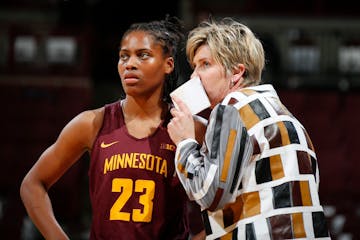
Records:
x=256, y=175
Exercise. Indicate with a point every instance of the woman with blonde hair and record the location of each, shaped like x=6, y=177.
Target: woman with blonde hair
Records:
x=255, y=175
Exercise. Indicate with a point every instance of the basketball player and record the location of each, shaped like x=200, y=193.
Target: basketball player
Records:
x=134, y=192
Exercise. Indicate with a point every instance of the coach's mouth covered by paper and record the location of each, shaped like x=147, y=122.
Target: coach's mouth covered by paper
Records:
x=193, y=94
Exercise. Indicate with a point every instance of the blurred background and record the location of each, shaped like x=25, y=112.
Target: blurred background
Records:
x=58, y=58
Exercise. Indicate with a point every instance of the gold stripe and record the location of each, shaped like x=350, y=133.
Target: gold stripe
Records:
x=228, y=153
x=246, y=205
x=276, y=167
x=180, y=166
x=248, y=92
x=249, y=117
x=298, y=225
x=251, y=204
x=305, y=193
x=228, y=236
x=284, y=134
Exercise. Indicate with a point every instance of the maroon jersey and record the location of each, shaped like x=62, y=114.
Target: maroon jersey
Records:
x=133, y=190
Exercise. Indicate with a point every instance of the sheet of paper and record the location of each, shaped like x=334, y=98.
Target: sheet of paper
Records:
x=193, y=94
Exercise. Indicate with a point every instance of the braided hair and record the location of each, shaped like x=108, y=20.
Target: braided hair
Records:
x=169, y=34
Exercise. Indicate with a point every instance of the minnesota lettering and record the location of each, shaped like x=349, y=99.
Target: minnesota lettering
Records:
x=136, y=160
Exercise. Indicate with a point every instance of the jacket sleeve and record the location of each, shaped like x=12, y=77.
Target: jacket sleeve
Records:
x=211, y=173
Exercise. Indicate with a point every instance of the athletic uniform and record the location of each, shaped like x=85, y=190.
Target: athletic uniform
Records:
x=256, y=175
x=133, y=188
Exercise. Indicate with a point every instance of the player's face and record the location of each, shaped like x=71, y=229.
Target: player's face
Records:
x=142, y=66
x=211, y=73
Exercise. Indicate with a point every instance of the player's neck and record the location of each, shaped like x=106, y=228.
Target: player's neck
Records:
x=143, y=109
x=142, y=121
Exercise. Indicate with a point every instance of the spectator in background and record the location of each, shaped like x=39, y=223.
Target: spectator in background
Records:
x=256, y=174
x=134, y=191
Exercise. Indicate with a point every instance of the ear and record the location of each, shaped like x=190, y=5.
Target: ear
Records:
x=238, y=73
x=169, y=65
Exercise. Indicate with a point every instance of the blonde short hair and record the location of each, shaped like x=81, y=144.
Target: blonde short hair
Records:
x=230, y=43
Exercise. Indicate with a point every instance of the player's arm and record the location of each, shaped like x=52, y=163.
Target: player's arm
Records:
x=75, y=138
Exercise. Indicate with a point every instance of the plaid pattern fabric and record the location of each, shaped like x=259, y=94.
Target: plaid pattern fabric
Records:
x=274, y=195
